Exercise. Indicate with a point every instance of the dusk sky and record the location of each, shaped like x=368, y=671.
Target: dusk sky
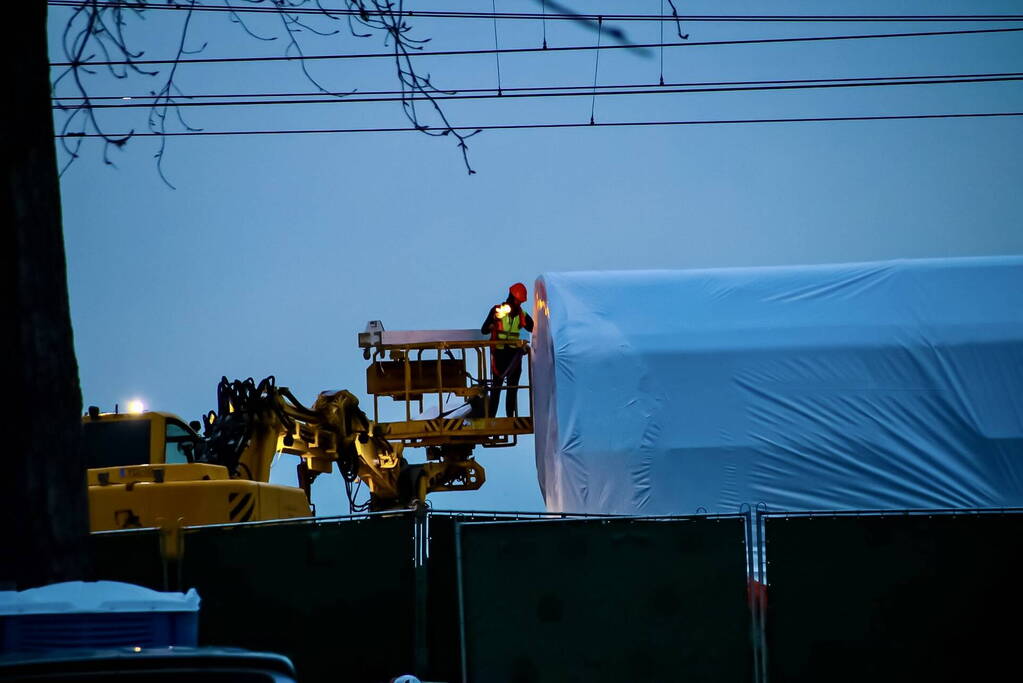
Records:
x=275, y=250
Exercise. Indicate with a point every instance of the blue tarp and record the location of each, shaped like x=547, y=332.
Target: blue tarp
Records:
x=857, y=386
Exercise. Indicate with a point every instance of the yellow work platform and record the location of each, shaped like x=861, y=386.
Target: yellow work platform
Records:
x=483, y=430
x=429, y=370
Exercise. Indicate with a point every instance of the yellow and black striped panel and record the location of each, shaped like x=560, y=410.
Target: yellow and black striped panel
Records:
x=241, y=505
x=482, y=428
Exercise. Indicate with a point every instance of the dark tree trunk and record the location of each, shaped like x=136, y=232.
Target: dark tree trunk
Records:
x=44, y=520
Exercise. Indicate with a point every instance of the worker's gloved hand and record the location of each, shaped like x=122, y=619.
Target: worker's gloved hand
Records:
x=502, y=310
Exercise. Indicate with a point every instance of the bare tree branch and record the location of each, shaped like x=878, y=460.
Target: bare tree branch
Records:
x=100, y=27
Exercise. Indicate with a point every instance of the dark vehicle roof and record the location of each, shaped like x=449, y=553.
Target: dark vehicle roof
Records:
x=192, y=663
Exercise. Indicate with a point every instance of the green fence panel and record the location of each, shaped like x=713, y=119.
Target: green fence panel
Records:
x=442, y=595
x=605, y=600
x=335, y=597
x=894, y=597
x=131, y=557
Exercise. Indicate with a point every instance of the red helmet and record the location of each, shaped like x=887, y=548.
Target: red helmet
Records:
x=518, y=290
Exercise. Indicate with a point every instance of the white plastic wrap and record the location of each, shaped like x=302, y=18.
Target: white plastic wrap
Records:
x=858, y=386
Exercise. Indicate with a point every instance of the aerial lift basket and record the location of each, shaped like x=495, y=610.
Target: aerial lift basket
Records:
x=444, y=379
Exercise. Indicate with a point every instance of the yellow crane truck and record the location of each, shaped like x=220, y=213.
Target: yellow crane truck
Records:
x=150, y=468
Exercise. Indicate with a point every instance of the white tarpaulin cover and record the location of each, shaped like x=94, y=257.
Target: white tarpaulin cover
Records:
x=857, y=386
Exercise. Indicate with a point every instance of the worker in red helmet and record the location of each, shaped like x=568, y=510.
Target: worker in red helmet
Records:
x=504, y=323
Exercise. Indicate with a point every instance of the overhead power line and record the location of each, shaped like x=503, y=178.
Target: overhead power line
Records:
x=517, y=50
x=527, y=126
x=575, y=91
x=553, y=88
x=540, y=16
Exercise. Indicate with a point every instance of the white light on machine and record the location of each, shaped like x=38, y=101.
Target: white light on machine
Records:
x=136, y=406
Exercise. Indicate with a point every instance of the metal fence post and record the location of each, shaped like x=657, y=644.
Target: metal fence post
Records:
x=752, y=595
x=421, y=539
x=761, y=529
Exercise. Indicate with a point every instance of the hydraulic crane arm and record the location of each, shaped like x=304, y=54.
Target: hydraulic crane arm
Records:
x=254, y=422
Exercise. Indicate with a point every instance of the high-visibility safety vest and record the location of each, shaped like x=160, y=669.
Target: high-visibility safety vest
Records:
x=507, y=328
